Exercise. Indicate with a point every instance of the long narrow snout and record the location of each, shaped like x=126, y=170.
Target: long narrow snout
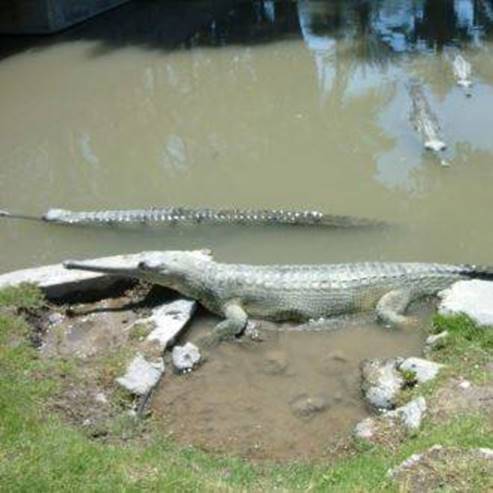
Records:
x=15, y=215
x=132, y=271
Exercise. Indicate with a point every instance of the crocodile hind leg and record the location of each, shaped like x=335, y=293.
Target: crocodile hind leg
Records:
x=236, y=321
x=392, y=305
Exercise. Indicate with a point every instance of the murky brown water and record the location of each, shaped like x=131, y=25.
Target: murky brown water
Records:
x=315, y=117
x=255, y=104
x=295, y=395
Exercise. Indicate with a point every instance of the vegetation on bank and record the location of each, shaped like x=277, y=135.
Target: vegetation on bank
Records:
x=41, y=451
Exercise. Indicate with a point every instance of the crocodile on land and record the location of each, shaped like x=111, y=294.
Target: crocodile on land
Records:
x=425, y=122
x=291, y=292
x=186, y=215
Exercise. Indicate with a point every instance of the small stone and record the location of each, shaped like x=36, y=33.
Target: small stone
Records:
x=252, y=332
x=185, y=357
x=275, y=363
x=101, y=398
x=141, y=375
x=437, y=340
x=338, y=356
x=307, y=407
x=55, y=318
x=472, y=298
x=411, y=414
x=424, y=370
x=465, y=384
x=365, y=429
x=381, y=382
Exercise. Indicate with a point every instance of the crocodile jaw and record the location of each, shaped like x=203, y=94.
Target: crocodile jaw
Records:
x=158, y=267
x=91, y=266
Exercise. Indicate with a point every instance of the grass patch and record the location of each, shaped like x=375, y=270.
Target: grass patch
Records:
x=41, y=452
x=23, y=297
x=139, y=331
x=467, y=349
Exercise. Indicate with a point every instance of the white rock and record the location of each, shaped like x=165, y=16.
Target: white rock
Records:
x=465, y=384
x=185, y=357
x=424, y=369
x=56, y=281
x=365, y=429
x=169, y=320
x=486, y=453
x=381, y=382
x=411, y=414
x=436, y=339
x=141, y=375
x=472, y=298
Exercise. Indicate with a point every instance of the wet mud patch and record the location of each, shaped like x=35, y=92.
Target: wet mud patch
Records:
x=293, y=396
x=87, y=346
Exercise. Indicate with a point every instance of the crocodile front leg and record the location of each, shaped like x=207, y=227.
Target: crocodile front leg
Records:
x=392, y=305
x=236, y=321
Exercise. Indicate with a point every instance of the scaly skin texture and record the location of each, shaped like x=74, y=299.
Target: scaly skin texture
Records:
x=291, y=292
x=425, y=122
x=183, y=215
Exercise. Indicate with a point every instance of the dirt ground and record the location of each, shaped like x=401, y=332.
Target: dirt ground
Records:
x=294, y=395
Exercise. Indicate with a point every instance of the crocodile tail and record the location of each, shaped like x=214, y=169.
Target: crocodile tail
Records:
x=349, y=221
x=483, y=272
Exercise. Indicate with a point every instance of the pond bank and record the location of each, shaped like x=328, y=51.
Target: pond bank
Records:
x=44, y=405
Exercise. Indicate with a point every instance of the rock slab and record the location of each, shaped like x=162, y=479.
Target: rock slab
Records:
x=56, y=281
x=472, y=298
x=423, y=369
x=141, y=375
x=169, y=320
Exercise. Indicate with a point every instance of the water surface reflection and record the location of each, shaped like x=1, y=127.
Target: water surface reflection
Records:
x=251, y=104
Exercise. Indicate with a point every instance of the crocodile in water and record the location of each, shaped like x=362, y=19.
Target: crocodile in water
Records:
x=425, y=122
x=185, y=215
x=462, y=72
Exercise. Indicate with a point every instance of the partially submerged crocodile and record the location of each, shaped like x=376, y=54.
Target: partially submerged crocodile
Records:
x=462, y=72
x=290, y=292
x=185, y=215
x=425, y=122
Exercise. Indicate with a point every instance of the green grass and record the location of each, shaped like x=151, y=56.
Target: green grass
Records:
x=39, y=452
x=26, y=296
x=468, y=347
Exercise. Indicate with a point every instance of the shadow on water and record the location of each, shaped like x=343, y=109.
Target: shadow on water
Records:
x=383, y=26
